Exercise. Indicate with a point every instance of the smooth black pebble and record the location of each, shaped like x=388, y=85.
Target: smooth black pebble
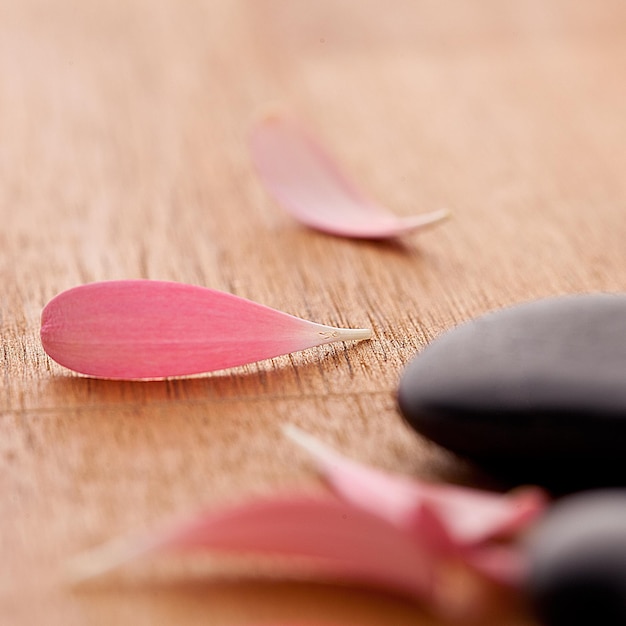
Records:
x=536, y=391
x=578, y=561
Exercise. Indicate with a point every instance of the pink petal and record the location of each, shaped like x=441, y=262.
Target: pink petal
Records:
x=474, y=516
x=342, y=543
x=470, y=515
x=504, y=564
x=306, y=182
x=432, y=533
x=463, y=575
x=138, y=329
x=391, y=496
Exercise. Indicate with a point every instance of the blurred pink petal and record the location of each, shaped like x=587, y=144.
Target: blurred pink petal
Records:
x=473, y=516
x=343, y=543
x=307, y=183
x=502, y=563
x=470, y=515
x=142, y=329
x=433, y=542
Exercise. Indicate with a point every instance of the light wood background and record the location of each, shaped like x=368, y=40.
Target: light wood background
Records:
x=123, y=154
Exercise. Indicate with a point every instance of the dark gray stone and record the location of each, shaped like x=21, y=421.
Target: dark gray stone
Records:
x=538, y=389
x=577, y=554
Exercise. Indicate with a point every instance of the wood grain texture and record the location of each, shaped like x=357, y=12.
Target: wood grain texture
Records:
x=123, y=155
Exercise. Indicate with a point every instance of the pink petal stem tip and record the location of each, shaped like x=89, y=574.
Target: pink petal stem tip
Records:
x=149, y=329
x=303, y=178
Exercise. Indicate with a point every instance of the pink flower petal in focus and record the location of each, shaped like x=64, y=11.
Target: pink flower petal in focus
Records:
x=143, y=329
x=306, y=182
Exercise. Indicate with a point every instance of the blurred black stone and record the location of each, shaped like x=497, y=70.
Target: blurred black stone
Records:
x=535, y=392
x=578, y=561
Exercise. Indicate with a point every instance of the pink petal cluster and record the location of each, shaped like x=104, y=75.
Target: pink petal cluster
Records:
x=379, y=530
x=449, y=524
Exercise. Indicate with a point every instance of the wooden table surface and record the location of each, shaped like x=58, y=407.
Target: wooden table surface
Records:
x=123, y=155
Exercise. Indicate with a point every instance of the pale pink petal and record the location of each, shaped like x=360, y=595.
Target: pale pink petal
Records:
x=142, y=329
x=473, y=516
x=342, y=543
x=306, y=182
x=470, y=515
x=463, y=576
x=391, y=496
x=501, y=563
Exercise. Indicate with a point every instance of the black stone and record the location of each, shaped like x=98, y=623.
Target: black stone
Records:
x=537, y=390
x=577, y=555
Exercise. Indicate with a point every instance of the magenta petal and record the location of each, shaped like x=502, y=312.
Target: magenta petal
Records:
x=470, y=515
x=306, y=182
x=138, y=329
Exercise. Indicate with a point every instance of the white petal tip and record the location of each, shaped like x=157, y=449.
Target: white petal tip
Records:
x=441, y=214
x=103, y=559
x=425, y=220
x=345, y=334
x=319, y=451
x=296, y=434
x=88, y=566
x=355, y=334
